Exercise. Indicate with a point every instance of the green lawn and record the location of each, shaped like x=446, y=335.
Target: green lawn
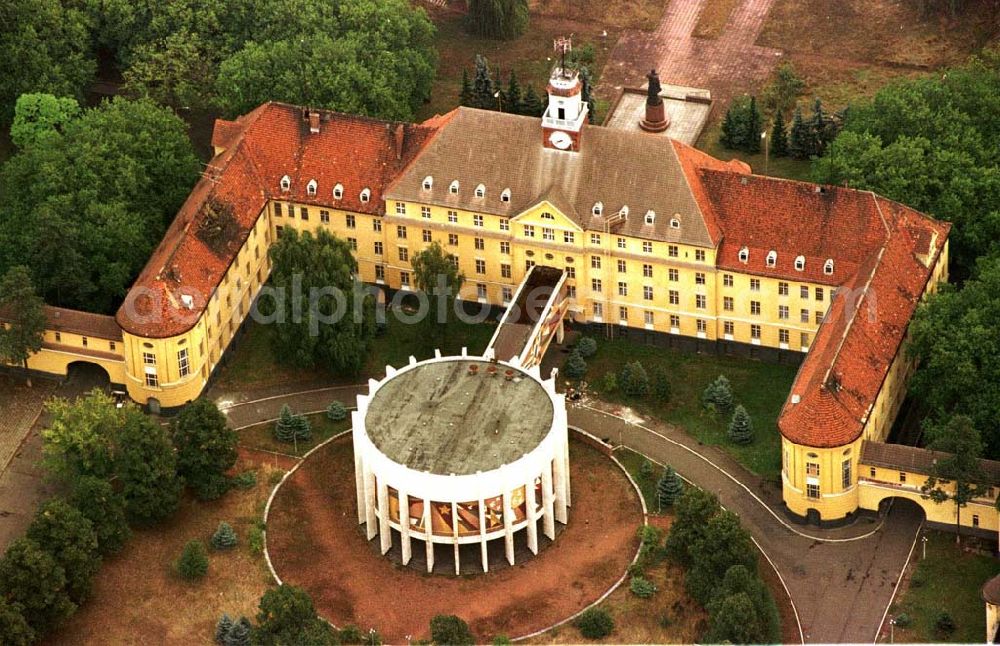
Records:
x=760, y=387
x=260, y=436
x=947, y=580
x=632, y=462
x=252, y=364
x=785, y=167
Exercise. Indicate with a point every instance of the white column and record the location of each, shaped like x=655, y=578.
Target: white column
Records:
x=548, y=520
x=429, y=532
x=384, y=529
x=531, y=512
x=370, y=519
x=559, y=476
x=404, y=526
x=565, y=458
x=454, y=535
x=359, y=484
x=508, y=527
x=482, y=534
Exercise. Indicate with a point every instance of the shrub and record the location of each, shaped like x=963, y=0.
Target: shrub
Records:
x=449, y=629
x=287, y=616
x=193, y=561
x=642, y=587
x=255, y=537
x=944, y=623
x=661, y=385
x=587, y=347
x=224, y=537
x=666, y=621
x=576, y=366
x=336, y=411
x=646, y=469
x=633, y=380
x=720, y=394
x=245, y=480
x=594, y=623
x=212, y=487
x=904, y=620
x=501, y=640
x=609, y=383
x=741, y=427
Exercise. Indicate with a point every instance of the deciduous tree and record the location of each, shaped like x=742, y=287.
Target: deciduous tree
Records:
x=23, y=310
x=32, y=579
x=437, y=275
x=450, y=629
x=64, y=532
x=691, y=515
x=105, y=509
x=206, y=448
x=82, y=436
x=146, y=466
x=287, y=616
x=38, y=116
x=721, y=544
x=958, y=475
x=502, y=19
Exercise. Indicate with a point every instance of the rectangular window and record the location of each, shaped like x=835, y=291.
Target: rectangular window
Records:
x=507, y=294
x=400, y=208
x=754, y=284
x=647, y=246
x=480, y=266
x=812, y=491
x=727, y=280
x=622, y=289
x=453, y=259
x=783, y=336
x=505, y=271
x=401, y=232
x=148, y=358
x=975, y=520
x=803, y=316
x=529, y=231
x=755, y=308
x=453, y=239
x=902, y=476
x=648, y=318
x=699, y=255
x=477, y=220
x=621, y=243
x=505, y=248
x=675, y=297
x=699, y=278
x=727, y=327
x=277, y=210
x=453, y=217
x=152, y=380
x=504, y=224
x=783, y=312
x=595, y=285
x=548, y=234
x=782, y=289
x=481, y=291
x=804, y=339
x=378, y=248
x=622, y=267
x=819, y=293
x=647, y=271
x=568, y=237
x=350, y=221
x=819, y=317
x=647, y=292
x=324, y=217
x=702, y=325
x=571, y=272
x=803, y=291
x=727, y=303
x=845, y=474
x=755, y=331
x=404, y=278
x=377, y=225
x=353, y=242
x=623, y=315
x=426, y=235
x=480, y=244
x=675, y=321
x=700, y=301
x=425, y=212
x=404, y=254
x=112, y=346
x=673, y=275
x=380, y=272
x=812, y=469
x=304, y=212
x=84, y=340
x=595, y=238
x=183, y=365
x=595, y=262
x=598, y=310
x=672, y=251
x=871, y=472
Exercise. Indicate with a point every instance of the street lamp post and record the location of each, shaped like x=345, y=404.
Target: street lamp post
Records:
x=923, y=541
x=763, y=142
x=892, y=631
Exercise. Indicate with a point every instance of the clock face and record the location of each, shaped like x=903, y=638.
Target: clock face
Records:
x=560, y=140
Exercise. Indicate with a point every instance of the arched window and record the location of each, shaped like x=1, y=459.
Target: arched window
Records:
x=286, y=183
x=772, y=258
x=744, y=255
x=366, y=195
x=428, y=183
x=598, y=208
x=311, y=187
x=800, y=263
x=828, y=266
x=505, y=195
x=650, y=216
x=481, y=191
x=454, y=187
x=338, y=191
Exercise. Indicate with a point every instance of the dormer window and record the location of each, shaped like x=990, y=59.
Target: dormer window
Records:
x=772, y=258
x=311, y=187
x=650, y=216
x=598, y=208
x=366, y=195
x=505, y=195
x=453, y=189
x=828, y=266
x=624, y=211
x=286, y=183
x=800, y=263
x=744, y=255
x=428, y=183
x=480, y=191
x=338, y=191
x=675, y=223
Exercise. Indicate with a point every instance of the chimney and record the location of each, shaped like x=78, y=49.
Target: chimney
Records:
x=397, y=137
x=313, y=122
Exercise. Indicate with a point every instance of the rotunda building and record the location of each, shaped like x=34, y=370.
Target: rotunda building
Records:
x=461, y=450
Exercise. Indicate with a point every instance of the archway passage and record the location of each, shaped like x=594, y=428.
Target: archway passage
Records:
x=314, y=541
x=84, y=376
x=899, y=507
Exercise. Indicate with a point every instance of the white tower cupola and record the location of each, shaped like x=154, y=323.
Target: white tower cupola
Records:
x=566, y=113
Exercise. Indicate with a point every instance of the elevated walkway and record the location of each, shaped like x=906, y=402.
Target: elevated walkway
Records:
x=533, y=318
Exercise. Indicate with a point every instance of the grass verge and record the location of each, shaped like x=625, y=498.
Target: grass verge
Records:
x=261, y=436
x=713, y=18
x=632, y=462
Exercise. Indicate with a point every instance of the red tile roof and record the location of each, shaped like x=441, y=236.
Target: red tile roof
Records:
x=60, y=319
x=260, y=148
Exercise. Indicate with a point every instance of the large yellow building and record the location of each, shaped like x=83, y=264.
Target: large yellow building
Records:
x=655, y=238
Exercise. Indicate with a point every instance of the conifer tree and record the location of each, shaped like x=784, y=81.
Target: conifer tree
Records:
x=633, y=380
x=284, y=428
x=532, y=105
x=587, y=93
x=798, y=137
x=646, y=469
x=730, y=129
x=222, y=628
x=224, y=537
x=669, y=488
x=741, y=427
x=779, y=138
x=753, y=127
x=512, y=98
x=482, y=86
x=336, y=411
x=239, y=634
x=303, y=429
x=465, y=93
x=720, y=394
x=576, y=365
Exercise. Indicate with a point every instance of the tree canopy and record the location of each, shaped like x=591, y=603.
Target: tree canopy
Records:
x=23, y=334
x=287, y=616
x=502, y=19
x=206, y=448
x=101, y=190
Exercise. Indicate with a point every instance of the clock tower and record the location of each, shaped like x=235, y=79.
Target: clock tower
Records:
x=566, y=113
